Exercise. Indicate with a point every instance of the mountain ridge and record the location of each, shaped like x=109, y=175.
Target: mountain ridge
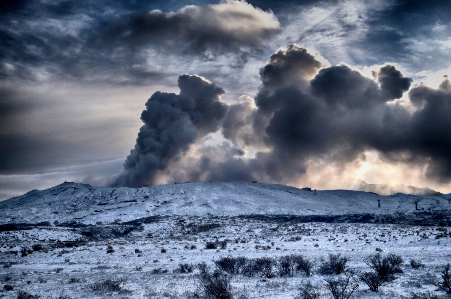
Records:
x=89, y=204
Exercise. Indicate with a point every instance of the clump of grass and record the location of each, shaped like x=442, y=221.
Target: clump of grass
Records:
x=107, y=285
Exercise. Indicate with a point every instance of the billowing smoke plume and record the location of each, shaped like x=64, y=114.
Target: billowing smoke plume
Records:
x=171, y=123
x=303, y=112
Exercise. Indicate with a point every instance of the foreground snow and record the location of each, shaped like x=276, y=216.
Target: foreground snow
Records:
x=150, y=273
x=54, y=243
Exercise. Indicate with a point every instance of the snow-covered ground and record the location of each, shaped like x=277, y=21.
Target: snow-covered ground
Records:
x=62, y=253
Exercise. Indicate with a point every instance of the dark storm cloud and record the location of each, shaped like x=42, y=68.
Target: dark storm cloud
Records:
x=238, y=125
x=333, y=114
x=171, y=124
x=431, y=126
x=220, y=27
x=96, y=41
x=287, y=67
x=393, y=84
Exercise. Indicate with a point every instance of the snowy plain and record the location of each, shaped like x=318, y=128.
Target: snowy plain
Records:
x=54, y=243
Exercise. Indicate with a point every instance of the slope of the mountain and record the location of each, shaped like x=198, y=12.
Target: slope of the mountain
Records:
x=382, y=189
x=88, y=204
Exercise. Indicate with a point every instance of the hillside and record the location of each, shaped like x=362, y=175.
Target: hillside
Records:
x=88, y=204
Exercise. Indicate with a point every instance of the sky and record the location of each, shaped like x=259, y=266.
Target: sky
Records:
x=303, y=93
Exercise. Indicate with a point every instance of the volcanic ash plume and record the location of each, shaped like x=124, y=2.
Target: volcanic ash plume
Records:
x=171, y=123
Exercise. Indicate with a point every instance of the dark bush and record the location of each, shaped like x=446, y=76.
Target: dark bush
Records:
x=110, y=249
x=215, y=285
x=335, y=264
x=342, y=287
x=231, y=265
x=24, y=251
x=223, y=244
x=106, y=286
x=185, y=268
x=37, y=247
x=309, y=291
x=74, y=280
x=159, y=271
x=303, y=264
x=25, y=295
x=211, y=245
x=286, y=266
x=386, y=266
x=446, y=278
x=427, y=295
x=8, y=287
x=260, y=267
x=416, y=265
x=373, y=280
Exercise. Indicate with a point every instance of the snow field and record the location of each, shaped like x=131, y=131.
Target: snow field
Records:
x=151, y=273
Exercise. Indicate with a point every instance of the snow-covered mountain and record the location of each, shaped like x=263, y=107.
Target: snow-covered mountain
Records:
x=88, y=204
x=383, y=189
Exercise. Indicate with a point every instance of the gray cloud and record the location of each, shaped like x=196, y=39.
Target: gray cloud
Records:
x=430, y=127
x=303, y=112
x=220, y=27
x=171, y=124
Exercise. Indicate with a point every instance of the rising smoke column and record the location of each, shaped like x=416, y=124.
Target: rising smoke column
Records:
x=303, y=113
x=171, y=123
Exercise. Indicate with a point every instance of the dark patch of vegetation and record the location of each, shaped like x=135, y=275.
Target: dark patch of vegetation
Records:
x=342, y=287
x=24, y=251
x=185, y=268
x=211, y=245
x=416, y=264
x=286, y=266
x=215, y=285
x=421, y=218
x=427, y=295
x=109, y=249
x=159, y=271
x=263, y=267
x=303, y=264
x=8, y=287
x=106, y=286
x=385, y=266
x=232, y=265
x=144, y=220
x=446, y=279
x=309, y=291
x=37, y=247
x=335, y=264
x=103, y=232
x=372, y=280
x=69, y=244
x=74, y=280
x=192, y=228
x=22, y=226
x=24, y=295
